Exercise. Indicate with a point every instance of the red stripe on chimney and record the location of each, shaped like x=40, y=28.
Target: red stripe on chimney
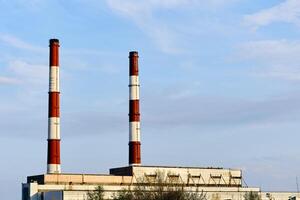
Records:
x=54, y=104
x=53, y=151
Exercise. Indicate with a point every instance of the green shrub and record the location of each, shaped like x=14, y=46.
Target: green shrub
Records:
x=252, y=196
x=98, y=194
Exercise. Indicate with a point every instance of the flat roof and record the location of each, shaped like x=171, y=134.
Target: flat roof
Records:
x=181, y=167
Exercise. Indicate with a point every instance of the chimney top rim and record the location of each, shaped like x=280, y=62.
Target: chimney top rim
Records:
x=53, y=40
x=133, y=53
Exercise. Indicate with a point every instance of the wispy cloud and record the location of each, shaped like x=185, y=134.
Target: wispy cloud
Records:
x=17, y=69
x=163, y=33
x=142, y=14
x=25, y=5
x=20, y=44
x=211, y=113
x=8, y=80
x=28, y=72
x=275, y=58
x=287, y=11
x=272, y=50
x=133, y=8
x=281, y=72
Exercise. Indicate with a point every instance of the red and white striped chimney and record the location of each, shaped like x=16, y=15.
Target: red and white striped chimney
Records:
x=54, y=116
x=134, y=110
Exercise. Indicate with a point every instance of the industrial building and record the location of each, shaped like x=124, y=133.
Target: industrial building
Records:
x=215, y=183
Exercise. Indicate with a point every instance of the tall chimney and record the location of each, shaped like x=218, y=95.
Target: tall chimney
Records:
x=134, y=110
x=53, y=162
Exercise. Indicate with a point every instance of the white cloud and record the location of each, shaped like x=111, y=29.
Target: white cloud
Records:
x=28, y=5
x=27, y=72
x=276, y=58
x=19, y=70
x=162, y=35
x=287, y=11
x=212, y=112
x=20, y=44
x=281, y=72
x=144, y=14
x=27, y=75
x=8, y=80
x=271, y=50
x=132, y=8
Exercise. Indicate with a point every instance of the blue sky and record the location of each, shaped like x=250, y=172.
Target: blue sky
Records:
x=220, y=85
